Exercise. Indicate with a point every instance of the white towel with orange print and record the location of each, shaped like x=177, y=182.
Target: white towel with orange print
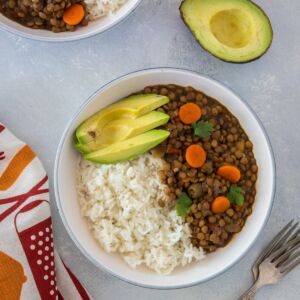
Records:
x=29, y=266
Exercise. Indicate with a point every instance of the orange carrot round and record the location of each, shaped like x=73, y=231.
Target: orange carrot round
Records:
x=220, y=204
x=189, y=113
x=195, y=156
x=74, y=14
x=230, y=173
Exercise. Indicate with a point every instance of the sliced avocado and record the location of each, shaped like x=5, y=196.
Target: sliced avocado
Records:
x=124, y=128
x=83, y=148
x=128, y=149
x=131, y=107
x=232, y=30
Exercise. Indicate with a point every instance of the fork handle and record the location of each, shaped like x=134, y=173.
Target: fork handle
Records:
x=250, y=293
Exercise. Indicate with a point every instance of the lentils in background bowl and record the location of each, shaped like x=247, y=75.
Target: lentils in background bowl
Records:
x=40, y=14
x=199, y=189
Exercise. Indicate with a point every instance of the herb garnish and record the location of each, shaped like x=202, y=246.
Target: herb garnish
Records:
x=236, y=195
x=202, y=129
x=183, y=205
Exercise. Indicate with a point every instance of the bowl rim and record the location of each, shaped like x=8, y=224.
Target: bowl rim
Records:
x=31, y=36
x=56, y=167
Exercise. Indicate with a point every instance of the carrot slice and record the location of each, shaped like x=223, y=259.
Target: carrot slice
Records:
x=189, y=113
x=220, y=204
x=230, y=173
x=74, y=14
x=195, y=156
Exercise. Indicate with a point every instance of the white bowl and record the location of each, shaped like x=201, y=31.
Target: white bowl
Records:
x=93, y=28
x=214, y=263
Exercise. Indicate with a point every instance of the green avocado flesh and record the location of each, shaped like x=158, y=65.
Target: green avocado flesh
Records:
x=128, y=149
x=124, y=128
x=232, y=30
x=131, y=108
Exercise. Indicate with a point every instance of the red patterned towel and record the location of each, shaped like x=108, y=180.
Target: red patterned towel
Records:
x=29, y=266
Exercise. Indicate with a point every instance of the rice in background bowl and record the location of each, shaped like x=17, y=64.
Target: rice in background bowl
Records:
x=100, y=8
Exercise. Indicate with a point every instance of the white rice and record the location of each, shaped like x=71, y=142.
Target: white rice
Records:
x=100, y=8
x=120, y=203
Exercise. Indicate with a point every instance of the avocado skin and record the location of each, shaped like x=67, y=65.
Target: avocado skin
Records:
x=230, y=61
x=82, y=148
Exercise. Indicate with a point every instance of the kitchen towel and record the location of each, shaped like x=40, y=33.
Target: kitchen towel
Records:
x=30, y=268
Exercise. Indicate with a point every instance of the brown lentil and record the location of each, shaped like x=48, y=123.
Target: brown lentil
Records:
x=228, y=144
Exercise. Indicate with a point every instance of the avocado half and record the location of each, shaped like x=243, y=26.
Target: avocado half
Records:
x=233, y=30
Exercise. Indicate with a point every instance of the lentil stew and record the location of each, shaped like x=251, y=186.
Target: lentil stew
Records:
x=40, y=14
x=222, y=183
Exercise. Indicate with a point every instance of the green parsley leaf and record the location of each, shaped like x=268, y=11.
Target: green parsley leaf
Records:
x=183, y=205
x=202, y=129
x=236, y=195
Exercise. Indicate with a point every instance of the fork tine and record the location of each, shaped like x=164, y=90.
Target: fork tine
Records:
x=270, y=247
x=274, y=241
x=278, y=252
x=291, y=267
x=287, y=241
x=295, y=234
x=290, y=259
x=286, y=257
x=287, y=237
x=284, y=240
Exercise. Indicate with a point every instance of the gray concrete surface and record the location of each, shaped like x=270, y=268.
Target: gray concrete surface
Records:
x=42, y=85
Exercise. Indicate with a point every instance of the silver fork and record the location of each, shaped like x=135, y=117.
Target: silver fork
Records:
x=279, y=258
x=283, y=236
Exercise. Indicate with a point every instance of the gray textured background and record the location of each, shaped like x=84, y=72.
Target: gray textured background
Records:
x=42, y=85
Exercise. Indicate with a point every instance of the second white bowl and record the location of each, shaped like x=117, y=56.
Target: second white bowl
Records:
x=93, y=28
